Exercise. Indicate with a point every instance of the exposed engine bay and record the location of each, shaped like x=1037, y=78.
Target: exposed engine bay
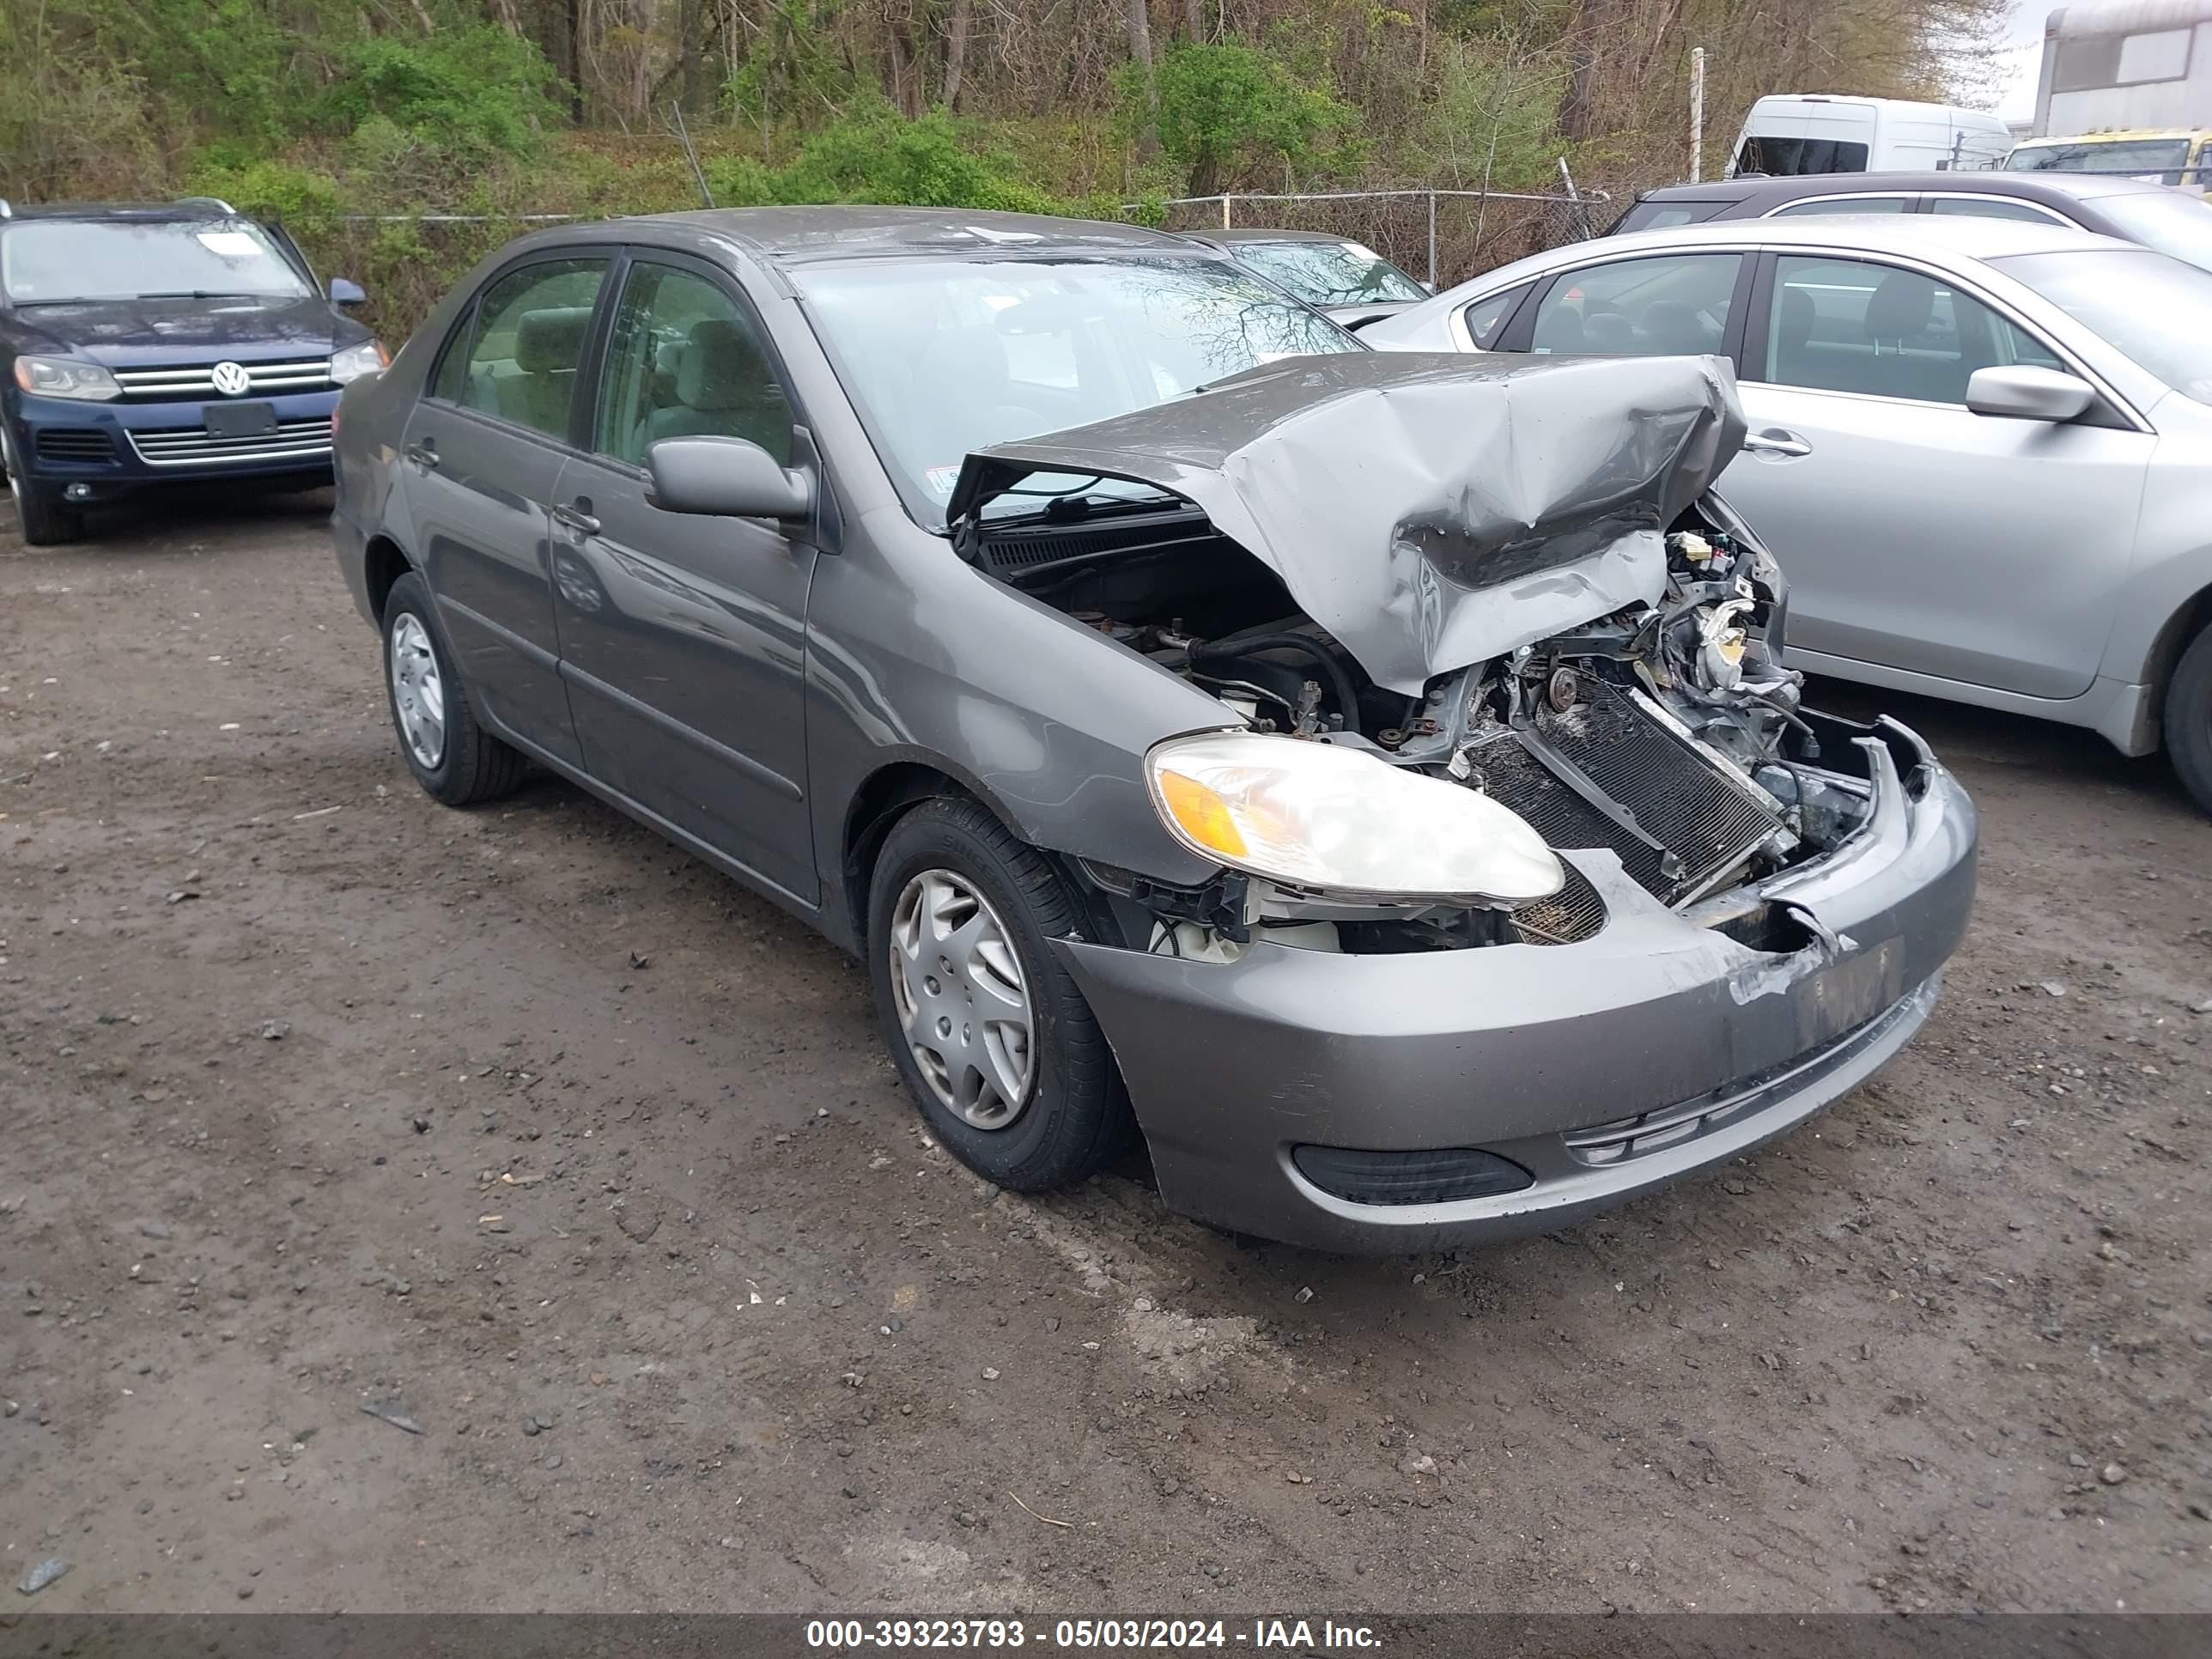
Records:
x=1668, y=733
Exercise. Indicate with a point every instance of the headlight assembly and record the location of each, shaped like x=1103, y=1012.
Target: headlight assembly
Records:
x=65, y=377
x=1339, y=820
x=356, y=361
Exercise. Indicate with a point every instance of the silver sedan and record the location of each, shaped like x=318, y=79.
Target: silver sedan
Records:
x=1981, y=448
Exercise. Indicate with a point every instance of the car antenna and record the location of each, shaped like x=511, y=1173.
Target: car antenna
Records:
x=683, y=138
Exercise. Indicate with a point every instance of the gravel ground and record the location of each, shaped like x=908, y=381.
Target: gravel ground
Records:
x=405, y=1209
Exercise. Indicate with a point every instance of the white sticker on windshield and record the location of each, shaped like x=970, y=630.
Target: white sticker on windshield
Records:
x=942, y=478
x=1361, y=251
x=230, y=243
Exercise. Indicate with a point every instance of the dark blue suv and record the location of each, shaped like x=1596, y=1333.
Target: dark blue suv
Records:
x=147, y=345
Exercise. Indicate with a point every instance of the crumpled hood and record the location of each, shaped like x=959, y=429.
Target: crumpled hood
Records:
x=1430, y=511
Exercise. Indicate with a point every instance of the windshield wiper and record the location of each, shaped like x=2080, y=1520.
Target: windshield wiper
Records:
x=204, y=293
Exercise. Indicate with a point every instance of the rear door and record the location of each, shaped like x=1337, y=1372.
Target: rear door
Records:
x=484, y=450
x=1916, y=534
x=683, y=637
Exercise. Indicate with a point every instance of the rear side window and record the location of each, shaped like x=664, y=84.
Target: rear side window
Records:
x=1829, y=206
x=1485, y=319
x=530, y=331
x=1793, y=157
x=1663, y=305
x=1987, y=207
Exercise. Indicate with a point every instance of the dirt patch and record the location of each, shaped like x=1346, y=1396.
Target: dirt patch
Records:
x=523, y=1127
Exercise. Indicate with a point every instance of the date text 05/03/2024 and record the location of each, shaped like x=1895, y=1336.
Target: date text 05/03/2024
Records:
x=1260, y=1635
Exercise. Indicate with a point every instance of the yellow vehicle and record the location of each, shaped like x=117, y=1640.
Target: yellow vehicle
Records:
x=2170, y=155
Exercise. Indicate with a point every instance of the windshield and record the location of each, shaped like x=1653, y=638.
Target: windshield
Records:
x=2166, y=219
x=2157, y=310
x=943, y=356
x=2149, y=158
x=43, y=261
x=1329, y=273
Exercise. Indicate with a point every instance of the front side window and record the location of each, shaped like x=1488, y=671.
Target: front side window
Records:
x=1793, y=157
x=1667, y=304
x=2155, y=310
x=1329, y=273
x=943, y=356
x=1829, y=206
x=1880, y=331
x=532, y=328
x=685, y=362
x=55, y=261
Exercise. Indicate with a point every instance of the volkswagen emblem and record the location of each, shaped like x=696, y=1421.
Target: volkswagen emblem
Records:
x=231, y=381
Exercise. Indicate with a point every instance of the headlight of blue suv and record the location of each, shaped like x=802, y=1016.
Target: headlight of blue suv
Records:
x=355, y=361
x=65, y=377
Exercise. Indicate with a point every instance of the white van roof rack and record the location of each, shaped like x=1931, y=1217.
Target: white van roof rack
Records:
x=215, y=202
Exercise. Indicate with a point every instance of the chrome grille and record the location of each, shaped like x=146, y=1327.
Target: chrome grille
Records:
x=193, y=446
x=198, y=379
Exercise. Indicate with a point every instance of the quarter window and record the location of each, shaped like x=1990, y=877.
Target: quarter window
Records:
x=686, y=362
x=529, y=343
x=1666, y=305
x=1880, y=331
x=1485, y=319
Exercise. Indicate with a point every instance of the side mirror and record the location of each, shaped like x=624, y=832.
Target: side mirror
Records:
x=344, y=291
x=726, y=478
x=2028, y=393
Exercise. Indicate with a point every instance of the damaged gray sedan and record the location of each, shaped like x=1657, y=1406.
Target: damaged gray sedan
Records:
x=1372, y=778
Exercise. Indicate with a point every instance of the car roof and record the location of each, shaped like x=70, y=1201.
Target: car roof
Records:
x=1990, y=182
x=797, y=235
x=1242, y=234
x=1977, y=238
x=187, y=210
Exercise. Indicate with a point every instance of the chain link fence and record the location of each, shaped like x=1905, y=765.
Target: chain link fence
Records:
x=1444, y=236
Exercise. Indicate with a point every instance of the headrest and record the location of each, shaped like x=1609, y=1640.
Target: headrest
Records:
x=720, y=366
x=1798, y=316
x=1670, y=326
x=1901, y=306
x=550, y=339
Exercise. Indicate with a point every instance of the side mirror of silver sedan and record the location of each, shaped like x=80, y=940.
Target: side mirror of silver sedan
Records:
x=2026, y=392
x=727, y=478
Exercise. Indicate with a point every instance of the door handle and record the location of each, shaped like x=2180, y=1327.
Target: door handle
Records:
x=1776, y=441
x=424, y=454
x=577, y=517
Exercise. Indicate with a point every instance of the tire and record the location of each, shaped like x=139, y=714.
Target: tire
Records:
x=467, y=765
x=40, y=514
x=2189, y=719
x=1073, y=1115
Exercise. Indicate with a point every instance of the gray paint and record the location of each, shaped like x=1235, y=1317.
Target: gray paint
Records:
x=1492, y=504
x=749, y=688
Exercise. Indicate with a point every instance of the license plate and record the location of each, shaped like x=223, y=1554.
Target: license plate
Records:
x=240, y=420
x=1844, y=997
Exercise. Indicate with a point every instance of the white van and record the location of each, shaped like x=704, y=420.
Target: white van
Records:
x=1792, y=133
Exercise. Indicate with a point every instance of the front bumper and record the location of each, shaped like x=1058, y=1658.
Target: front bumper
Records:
x=1605, y=1068
x=100, y=451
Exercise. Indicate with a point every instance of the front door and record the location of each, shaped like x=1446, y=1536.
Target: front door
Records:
x=484, y=450
x=1916, y=534
x=683, y=637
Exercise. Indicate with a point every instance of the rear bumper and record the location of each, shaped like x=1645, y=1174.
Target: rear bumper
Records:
x=1604, y=1068
x=99, y=451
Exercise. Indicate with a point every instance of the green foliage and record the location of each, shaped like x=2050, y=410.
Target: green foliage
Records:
x=793, y=61
x=471, y=93
x=872, y=154
x=265, y=188
x=1220, y=109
